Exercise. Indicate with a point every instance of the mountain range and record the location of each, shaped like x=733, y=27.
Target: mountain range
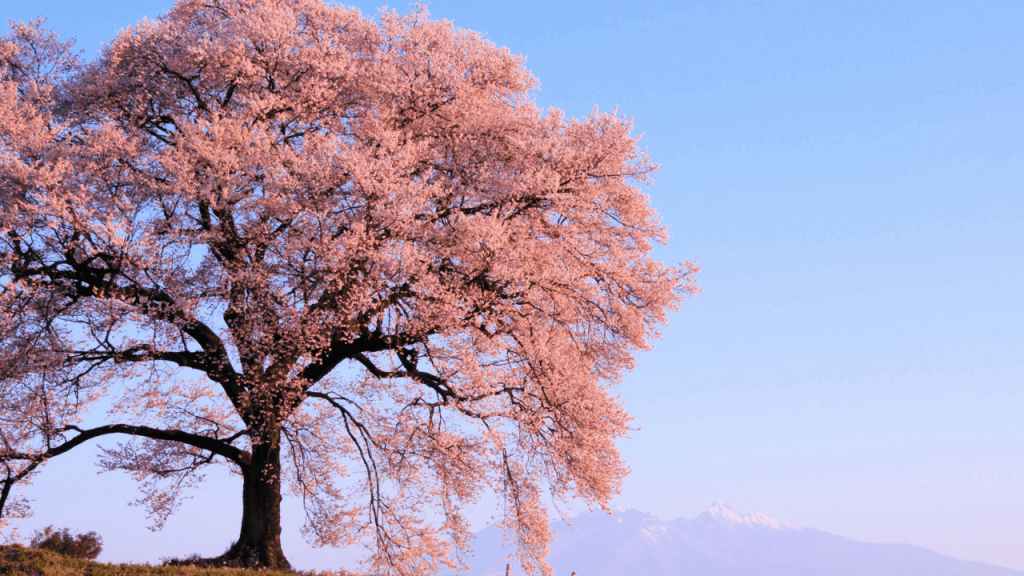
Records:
x=719, y=542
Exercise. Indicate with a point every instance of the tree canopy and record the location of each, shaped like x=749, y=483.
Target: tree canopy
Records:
x=348, y=258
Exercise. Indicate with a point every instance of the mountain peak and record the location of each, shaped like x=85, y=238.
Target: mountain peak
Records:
x=723, y=515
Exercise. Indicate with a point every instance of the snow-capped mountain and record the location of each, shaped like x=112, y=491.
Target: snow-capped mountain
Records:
x=725, y=517
x=719, y=542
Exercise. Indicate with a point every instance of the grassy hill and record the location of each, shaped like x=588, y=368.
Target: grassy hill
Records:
x=21, y=561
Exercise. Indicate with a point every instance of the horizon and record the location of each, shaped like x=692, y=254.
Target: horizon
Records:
x=850, y=177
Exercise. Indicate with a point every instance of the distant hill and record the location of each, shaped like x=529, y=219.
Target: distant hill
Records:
x=719, y=542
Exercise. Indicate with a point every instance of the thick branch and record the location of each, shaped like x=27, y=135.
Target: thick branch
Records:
x=341, y=350
x=9, y=483
x=219, y=447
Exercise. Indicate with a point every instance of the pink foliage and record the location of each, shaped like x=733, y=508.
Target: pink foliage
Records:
x=255, y=225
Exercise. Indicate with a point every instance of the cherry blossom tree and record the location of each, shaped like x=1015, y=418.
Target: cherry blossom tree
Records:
x=350, y=259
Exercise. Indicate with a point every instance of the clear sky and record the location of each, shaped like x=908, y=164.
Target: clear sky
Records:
x=851, y=177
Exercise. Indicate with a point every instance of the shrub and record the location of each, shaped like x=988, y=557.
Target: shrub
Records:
x=85, y=546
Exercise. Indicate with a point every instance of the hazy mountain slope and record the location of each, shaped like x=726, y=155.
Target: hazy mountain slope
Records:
x=720, y=542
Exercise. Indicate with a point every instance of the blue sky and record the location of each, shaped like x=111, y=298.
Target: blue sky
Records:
x=851, y=177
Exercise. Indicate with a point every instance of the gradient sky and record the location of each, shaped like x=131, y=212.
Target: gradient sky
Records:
x=851, y=177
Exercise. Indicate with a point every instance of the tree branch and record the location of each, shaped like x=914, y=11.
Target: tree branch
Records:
x=341, y=350
x=92, y=282
x=219, y=447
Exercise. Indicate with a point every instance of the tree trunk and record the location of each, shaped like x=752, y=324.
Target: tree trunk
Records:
x=259, y=543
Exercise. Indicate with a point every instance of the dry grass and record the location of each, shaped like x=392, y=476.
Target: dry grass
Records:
x=21, y=561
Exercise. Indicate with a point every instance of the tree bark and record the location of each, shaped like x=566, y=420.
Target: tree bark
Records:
x=259, y=542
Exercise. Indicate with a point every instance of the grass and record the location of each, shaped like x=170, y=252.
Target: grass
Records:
x=21, y=561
